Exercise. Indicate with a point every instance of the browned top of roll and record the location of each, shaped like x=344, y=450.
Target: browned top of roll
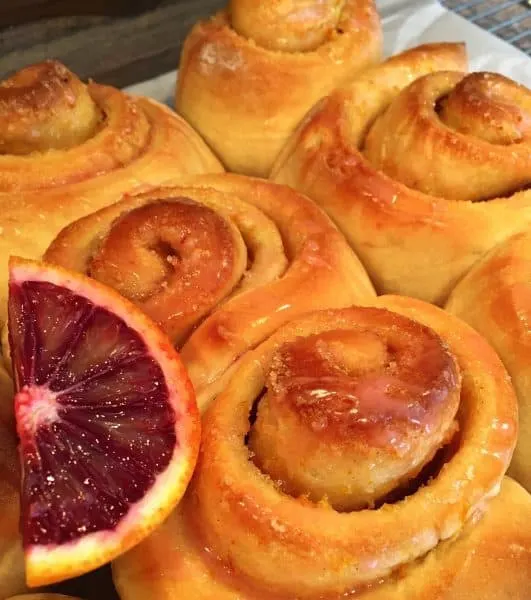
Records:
x=68, y=148
x=45, y=106
x=423, y=166
x=266, y=515
x=249, y=74
x=217, y=262
x=350, y=415
x=57, y=130
x=456, y=136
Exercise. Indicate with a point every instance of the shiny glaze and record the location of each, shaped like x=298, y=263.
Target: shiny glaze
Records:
x=176, y=258
x=349, y=416
x=495, y=298
x=83, y=130
x=256, y=526
x=412, y=243
x=474, y=124
x=239, y=536
x=276, y=271
x=406, y=383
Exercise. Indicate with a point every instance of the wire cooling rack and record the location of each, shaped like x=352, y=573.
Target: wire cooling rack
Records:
x=508, y=19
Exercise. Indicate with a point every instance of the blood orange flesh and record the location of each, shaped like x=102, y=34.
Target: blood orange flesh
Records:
x=106, y=418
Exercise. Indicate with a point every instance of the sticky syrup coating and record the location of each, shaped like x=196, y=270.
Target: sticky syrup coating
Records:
x=349, y=416
x=175, y=257
x=44, y=107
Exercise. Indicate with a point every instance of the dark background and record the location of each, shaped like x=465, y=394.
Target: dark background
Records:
x=125, y=41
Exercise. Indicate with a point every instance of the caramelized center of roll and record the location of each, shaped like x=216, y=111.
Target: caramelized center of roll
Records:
x=490, y=107
x=287, y=25
x=461, y=137
x=43, y=107
x=176, y=258
x=351, y=415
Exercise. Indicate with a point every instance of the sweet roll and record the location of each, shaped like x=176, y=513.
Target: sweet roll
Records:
x=357, y=452
x=69, y=148
x=422, y=166
x=249, y=74
x=219, y=261
x=495, y=298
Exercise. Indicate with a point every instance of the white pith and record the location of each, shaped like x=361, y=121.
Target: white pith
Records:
x=36, y=406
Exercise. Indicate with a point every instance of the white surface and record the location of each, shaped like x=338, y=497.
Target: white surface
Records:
x=408, y=23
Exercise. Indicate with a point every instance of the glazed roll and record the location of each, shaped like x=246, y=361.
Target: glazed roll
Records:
x=249, y=74
x=12, y=577
x=423, y=167
x=495, y=298
x=218, y=262
x=67, y=149
x=358, y=451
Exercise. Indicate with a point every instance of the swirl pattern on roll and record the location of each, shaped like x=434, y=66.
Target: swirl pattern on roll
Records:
x=495, y=298
x=357, y=451
x=218, y=261
x=69, y=148
x=249, y=74
x=423, y=167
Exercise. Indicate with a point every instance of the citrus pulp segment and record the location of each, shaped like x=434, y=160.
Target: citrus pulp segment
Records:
x=106, y=416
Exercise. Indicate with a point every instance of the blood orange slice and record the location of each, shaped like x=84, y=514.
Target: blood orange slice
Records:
x=106, y=416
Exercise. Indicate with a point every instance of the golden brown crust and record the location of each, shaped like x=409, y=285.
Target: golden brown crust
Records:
x=246, y=98
x=348, y=151
x=491, y=560
x=279, y=271
x=238, y=537
x=290, y=26
x=45, y=106
x=136, y=144
x=455, y=136
x=382, y=397
x=495, y=298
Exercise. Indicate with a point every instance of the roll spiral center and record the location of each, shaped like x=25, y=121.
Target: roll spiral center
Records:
x=456, y=136
x=489, y=107
x=288, y=25
x=45, y=107
x=174, y=257
x=350, y=416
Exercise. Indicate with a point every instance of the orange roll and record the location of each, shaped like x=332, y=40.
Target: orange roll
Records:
x=422, y=166
x=360, y=452
x=248, y=75
x=69, y=148
x=219, y=262
x=495, y=298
